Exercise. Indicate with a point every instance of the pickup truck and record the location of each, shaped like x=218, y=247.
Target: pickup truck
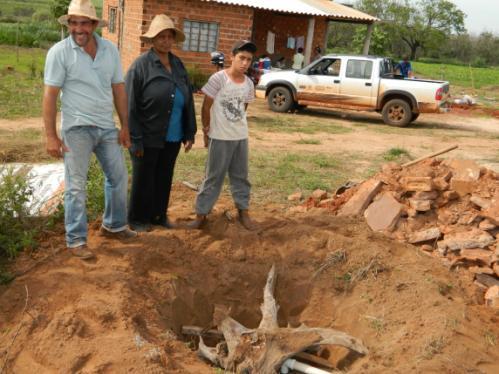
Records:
x=354, y=82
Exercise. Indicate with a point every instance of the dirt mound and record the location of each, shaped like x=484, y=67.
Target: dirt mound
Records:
x=124, y=312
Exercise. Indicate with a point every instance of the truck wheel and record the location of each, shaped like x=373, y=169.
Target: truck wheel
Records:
x=397, y=112
x=414, y=116
x=280, y=99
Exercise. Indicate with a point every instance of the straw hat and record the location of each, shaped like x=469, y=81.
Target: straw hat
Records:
x=83, y=8
x=159, y=23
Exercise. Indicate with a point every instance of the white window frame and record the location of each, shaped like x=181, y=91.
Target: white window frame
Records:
x=200, y=36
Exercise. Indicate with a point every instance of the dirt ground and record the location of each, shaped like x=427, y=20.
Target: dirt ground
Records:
x=123, y=312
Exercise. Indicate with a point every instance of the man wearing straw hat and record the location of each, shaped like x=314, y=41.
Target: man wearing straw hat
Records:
x=86, y=71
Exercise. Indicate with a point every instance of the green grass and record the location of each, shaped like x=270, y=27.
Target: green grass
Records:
x=8, y=7
x=276, y=175
x=395, y=154
x=308, y=141
x=21, y=82
x=459, y=75
x=289, y=124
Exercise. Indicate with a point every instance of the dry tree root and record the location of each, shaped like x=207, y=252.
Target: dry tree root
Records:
x=266, y=348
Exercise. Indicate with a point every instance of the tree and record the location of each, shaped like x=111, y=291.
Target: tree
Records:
x=424, y=24
x=59, y=7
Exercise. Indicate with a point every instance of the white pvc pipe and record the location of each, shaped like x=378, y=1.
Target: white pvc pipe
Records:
x=292, y=364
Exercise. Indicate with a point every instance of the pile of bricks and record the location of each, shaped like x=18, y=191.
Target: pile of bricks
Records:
x=450, y=209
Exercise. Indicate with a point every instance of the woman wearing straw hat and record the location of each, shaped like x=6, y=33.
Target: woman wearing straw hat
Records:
x=161, y=118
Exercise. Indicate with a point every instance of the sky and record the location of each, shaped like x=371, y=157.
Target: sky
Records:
x=482, y=15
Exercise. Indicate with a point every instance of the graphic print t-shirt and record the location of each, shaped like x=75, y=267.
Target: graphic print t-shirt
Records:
x=228, y=115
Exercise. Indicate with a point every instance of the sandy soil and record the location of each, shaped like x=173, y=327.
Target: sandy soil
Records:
x=123, y=312
x=476, y=132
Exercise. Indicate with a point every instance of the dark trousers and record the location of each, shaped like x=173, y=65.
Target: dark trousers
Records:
x=152, y=177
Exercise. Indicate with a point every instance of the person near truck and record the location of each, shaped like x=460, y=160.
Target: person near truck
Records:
x=86, y=70
x=298, y=59
x=225, y=127
x=404, y=67
x=162, y=118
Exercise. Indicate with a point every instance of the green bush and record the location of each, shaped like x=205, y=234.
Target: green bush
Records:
x=95, y=190
x=33, y=34
x=16, y=230
x=41, y=15
x=197, y=77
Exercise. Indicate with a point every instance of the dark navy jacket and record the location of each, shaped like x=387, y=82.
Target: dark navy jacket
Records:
x=151, y=93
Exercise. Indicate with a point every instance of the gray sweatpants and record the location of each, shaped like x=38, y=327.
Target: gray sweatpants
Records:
x=225, y=156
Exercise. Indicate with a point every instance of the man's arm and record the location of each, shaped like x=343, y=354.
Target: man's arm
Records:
x=205, y=117
x=121, y=104
x=54, y=145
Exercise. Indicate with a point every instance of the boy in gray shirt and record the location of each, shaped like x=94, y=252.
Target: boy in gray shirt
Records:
x=225, y=129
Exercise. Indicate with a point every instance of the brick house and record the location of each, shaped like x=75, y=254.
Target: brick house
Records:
x=277, y=27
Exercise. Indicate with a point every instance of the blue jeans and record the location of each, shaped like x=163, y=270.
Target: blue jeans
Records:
x=82, y=141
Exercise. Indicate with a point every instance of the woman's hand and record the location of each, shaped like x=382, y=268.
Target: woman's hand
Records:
x=188, y=145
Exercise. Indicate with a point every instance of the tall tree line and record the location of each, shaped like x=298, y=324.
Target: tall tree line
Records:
x=431, y=29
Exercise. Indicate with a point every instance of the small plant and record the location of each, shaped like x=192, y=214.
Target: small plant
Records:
x=395, y=153
x=377, y=324
x=16, y=231
x=332, y=259
x=490, y=338
x=433, y=347
x=95, y=190
x=444, y=288
x=197, y=77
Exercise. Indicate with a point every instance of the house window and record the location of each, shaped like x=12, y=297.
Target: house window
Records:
x=112, y=19
x=200, y=36
x=360, y=69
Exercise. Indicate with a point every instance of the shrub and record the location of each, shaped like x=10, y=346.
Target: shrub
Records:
x=95, y=190
x=197, y=77
x=29, y=34
x=41, y=15
x=16, y=230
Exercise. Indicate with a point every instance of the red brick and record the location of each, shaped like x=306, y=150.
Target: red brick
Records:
x=384, y=213
x=361, y=199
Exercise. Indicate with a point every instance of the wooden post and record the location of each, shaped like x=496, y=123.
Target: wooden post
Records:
x=326, y=37
x=367, y=40
x=310, y=39
x=17, y=41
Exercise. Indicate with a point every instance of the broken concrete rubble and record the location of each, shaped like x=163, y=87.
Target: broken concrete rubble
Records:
x=468, y=239
x=383, y=214
x=417, y=183
x=362, y=198
x=425, y=235
x=455, y=202
x=492, y=297
x=297, y=196
x=319, y=195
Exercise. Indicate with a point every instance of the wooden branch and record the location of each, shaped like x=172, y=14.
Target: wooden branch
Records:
x=199, y=331
x=208, y=353
x=269, y=307
x=232, y=331
x=430, y=156
x=335, y=337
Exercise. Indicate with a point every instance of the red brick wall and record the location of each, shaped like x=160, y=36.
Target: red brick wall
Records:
x=284, y=25
x=234, y=23
x=133, y=26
